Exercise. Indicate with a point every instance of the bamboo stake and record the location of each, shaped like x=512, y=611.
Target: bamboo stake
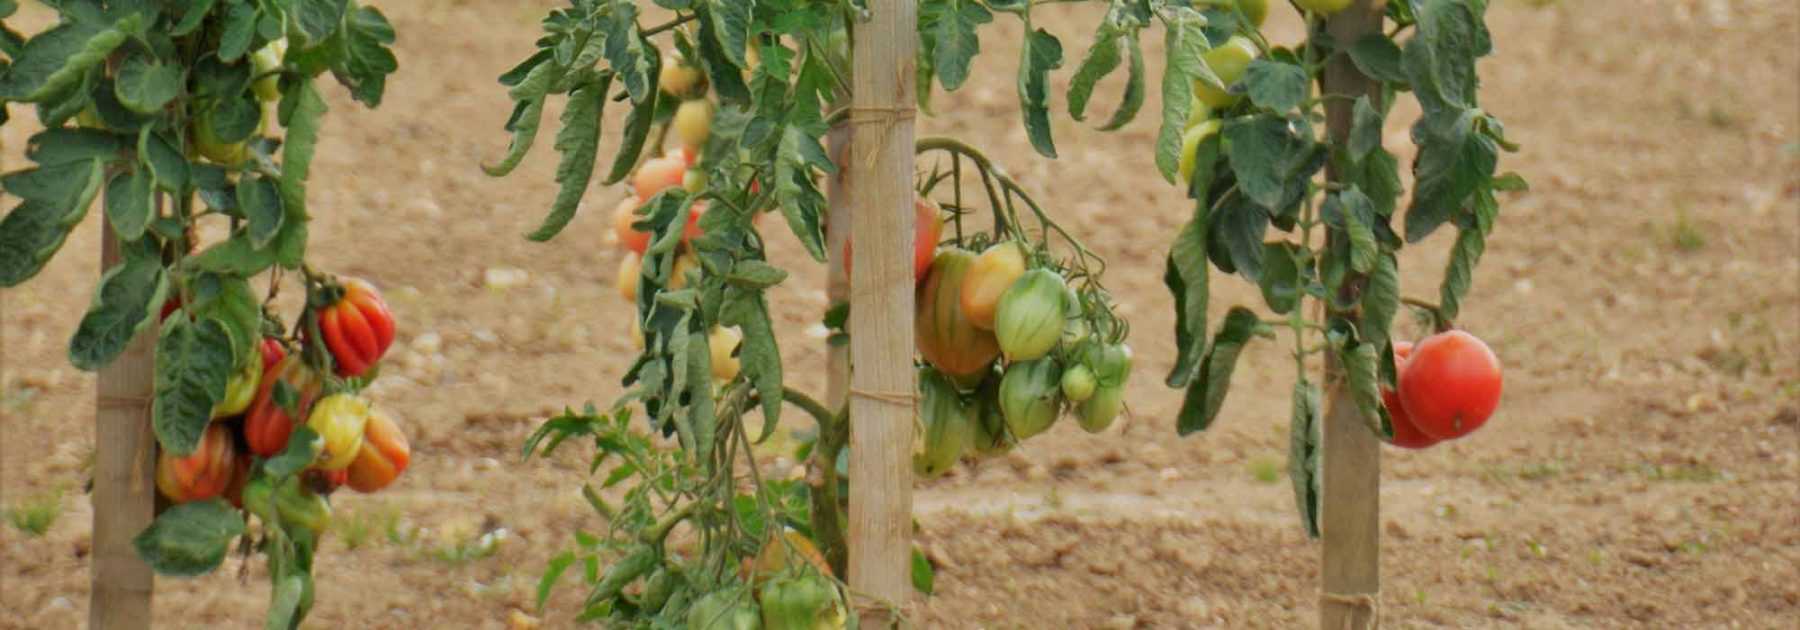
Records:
x=124, y=476
x=882, y=389
x=1351, y=512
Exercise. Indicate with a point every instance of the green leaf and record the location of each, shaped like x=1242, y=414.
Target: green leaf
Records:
x=725, y=77
x=193, y=361
x=259, y=200
x=527, y=116
x=1352, y=212
x=1304, y=454
x=760, y=357
x=627, y=54
x=56, y=60
x=240, y=29
x=235, y=255
x=1280, y=280
x=63, y=185
x=1459, y=273
x=235, y=119
x=1362, y=370
x=1453, y=162
x=301, y=120
x=1268, y=155
x=287, y=603
x=1439, y=59
x=189, y=539
x=302, y=450
x=367, y=59
x=755, y=274
x=1041, y=54
x=126, y=302
x=192, y=17
x=553, y=571
x=1133, y=99
x=1378, y=58
x=1365, y=129
x=318, y=19
x=1185, y=42
x=1276, y=85
x=164, y=162
x=130, y=204
x=801, y=202
x=1101, y=59
x=146, y=85
x=579, y=144
x=1380, y=301
x=1206, y=394
x=1510, y=182
x=957, y=43
x=230, y=300
x=731, y=27
x=924, y=576
x=29, y=236
x=1187, y=277
x=637, y=130
x=1236, y=234
x=52, y=147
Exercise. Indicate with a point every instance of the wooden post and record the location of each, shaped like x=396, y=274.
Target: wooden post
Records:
x=882, y=389
x=1350, y=517
x=124, y=476
x=837, y=281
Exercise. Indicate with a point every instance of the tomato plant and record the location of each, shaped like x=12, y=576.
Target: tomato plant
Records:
x=195, y=124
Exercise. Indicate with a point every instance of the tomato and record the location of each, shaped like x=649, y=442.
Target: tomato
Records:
x=169, y=306
x=1031, y=396
x=801, y=601
x=264, y=62
x=692, y=230
x=203, y=474
x=630, y=269
x=777, y=555
x=89, y=118
x=240, y=390
x=358, y=328
x=657, y=175
x=340, y=419
x=1078, y=383
x=723, y=341
x=1323, y=7
x=991, y=274
x=678, y=78
x=686, y=154
x=1228, y=62
x=1111, y=363
x=628, y=237
x=272, y=353
x=1255, y=10
x=211, y=147
x=1190, y=146
x=678, y=275
x=1450, y=385
x=724, y=609
x=947, y=426
x=693, y=181
x=1031, y=316
x=637, y=334
x=268, y=424
x=1098, y=412
x=383, y=456
x=693, y=122
x=991, y=437
x=947, y=339
x=300, y=508
x=1406, y=433
x=928, y=227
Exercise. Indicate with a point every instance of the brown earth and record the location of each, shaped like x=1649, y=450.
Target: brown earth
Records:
x=1643, y=471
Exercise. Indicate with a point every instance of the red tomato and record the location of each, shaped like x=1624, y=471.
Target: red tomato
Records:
x=656, y=175
x=203, y=474
x=629, y=238
x=272, y=353
x=1406, y=434
x=358, y=328
x=169, y=306
x=688, y=155
x=928, y=226
x=1451, y=384
x=267, y=425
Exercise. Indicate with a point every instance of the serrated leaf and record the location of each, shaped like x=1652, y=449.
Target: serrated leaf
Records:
x=130, y=204
x=301, y=120
x=526, y=118
x=56, y=60
x=1102, y=57
x=1267, y=155
x=627, y=54
x=52, y=147
x=579, y=144
x=1184, y=42
x=189, y=539
x=1206, y=394
x=1276, y=85
x=1304, y=454
x=637, y=130
x=758, y=354
x=1380, y=301
x=259, y=200
x=731, y=27
x=1362, y=374
x=1453, y=162
x=1133, y=98
x=956, y=41
x=124, y=304
x=29, y=236
x=367, y=60
x=1041, y=54
x=755, y=274
x=801, y=203
x=239, y=30
x=1187, y=277
x=193, y=362
x=145, y=85
x=1356, y=214
x=553, y=571
x=1459, y=273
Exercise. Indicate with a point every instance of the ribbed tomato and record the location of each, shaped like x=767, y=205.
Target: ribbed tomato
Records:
x=991, y=437
x=384, y=455
x=1031, y=396
x=240, y=390
x=268, y=424
x=943, y=334
x=203, y=474
x=272, y=353
x=993, y=272
x=928, y=227
x=1451, y=384
x=1031, y=316
x=340, y=419
x=947, y=426
x=358, y=329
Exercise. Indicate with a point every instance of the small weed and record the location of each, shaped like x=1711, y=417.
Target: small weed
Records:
x=1720, y=118
x=1265, y=469
x=1683, y=235
x=1541, y=471
x=1596, y=557
x=36, y=514
x=1696, y=473
x=356, y=528
x=458, y=551
x=1537, y=548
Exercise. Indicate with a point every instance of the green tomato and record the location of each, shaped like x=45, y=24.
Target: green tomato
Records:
x=991, y=437
x=207, y=142
x=726, y=609
x=1256, y=10
x=1190, y=146
x=1229, y=62
x=1031, y=315
x=90, y=118
x=264, y=61
x=948, y=426
x=1323, y=7
x=1078, y=383
x=1031, y=396
x=806, y=601
x=1097, y=413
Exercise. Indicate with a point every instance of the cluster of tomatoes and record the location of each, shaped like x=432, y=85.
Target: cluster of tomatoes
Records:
x=1449, y=386
x=269, y=398
x=690, y=127
x=1008, y=348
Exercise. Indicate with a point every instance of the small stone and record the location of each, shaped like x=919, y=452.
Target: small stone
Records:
x=428, y=343
x=487, y=463
x=502, y=278
x=1169, y=474
x=518, y=620
x=60, y=603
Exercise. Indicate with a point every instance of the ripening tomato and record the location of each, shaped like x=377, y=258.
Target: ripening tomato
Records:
x=628, y=237
x=272, y=353
x=1228, y=62
x=777, y=555
x=203, y=474
x=1031, y=316
x=630, y=269
x=928, y=226
x=988, y=278
x=943, y=334
x=1450, y=385
x=268, y=423
x=1190, y=147
x=340, y=419
x=1256, y=10
x=948, y=425
x=723, y=342
x=240, y=390
x=384, y=455
x=657, y=175
x=678, y=78
x=686, y=154
x=1406, y=433
x=694, y=181
x=234, y=490
x=358, y=328
x=1323, y=7
x=211, y=147
x=693, y=122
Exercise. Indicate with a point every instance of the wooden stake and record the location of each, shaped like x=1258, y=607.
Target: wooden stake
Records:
x=1350, y=517
x=882, y=389
x=124, y=476
x=837, y=281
